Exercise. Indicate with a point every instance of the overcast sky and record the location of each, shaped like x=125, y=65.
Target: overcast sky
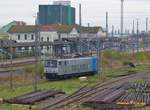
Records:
x=93, y=11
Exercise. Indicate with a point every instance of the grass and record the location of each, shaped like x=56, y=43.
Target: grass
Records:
x=118, y=58
x=68, y=86
x=111, y=73
x=15, y=107
x=71, y=85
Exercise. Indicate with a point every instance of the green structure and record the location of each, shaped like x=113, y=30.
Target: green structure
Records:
x=56, y=14
x=4, y=35
x=5, y=28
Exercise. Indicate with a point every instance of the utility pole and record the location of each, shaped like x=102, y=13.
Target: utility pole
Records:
x=106, y=24
x=137, y=31
x=122, y=16
x=2, y=55
x=147, y=25
x=88, y=24
x=99, y=57
x=133, y=28
x=112, y=31
x=80, y=50
x=36, y=52
x=137, y=34
x=11, y=63
x=80, y=15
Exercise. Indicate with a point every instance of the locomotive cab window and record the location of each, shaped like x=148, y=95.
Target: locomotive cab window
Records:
x=51, y=63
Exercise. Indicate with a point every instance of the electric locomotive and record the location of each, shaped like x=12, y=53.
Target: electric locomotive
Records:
x=70, y=67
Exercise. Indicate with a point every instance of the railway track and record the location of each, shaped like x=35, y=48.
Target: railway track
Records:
x=86, y=93
x=17, y=62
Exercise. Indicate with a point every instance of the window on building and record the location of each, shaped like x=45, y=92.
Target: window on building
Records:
x=42, y=39
x=25, y=36
x=41, y=47
x=32, y=37
x=47, y=47
x=32, y=48
x=18, y=36
x=59, y=36
x=48, y=39
x=59, y=62
x=26, y=48
x=19, y=48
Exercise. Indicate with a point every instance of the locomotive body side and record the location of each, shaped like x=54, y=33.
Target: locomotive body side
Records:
x=72, y=67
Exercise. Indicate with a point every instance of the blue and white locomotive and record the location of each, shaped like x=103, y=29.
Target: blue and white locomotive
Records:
x=70, y=67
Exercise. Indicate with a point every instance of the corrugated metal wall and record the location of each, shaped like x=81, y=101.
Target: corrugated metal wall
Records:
x=56, y=14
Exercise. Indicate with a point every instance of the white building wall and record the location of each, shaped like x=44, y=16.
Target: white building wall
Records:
x=101, y=33
x=74, y=33
x=51, y=36
x=15, y=36
x=47, y=37
x=88, y=35
x=63, y=35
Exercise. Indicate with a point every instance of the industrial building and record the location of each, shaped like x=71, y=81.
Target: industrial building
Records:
x=57, y=13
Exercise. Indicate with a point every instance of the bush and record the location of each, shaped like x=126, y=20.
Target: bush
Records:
x=127, y=63
x=41, y=70
x=31, y=69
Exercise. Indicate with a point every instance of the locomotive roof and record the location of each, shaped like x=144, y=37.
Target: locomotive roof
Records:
x=72, y=58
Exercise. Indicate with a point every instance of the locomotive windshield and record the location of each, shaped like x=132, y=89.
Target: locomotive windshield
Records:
x=51, y=63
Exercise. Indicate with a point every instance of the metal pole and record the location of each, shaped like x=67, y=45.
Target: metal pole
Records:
x=133, y=27
x=137, y=27
x=122, y=15
x=80, y=28
x=80, y=15
x=36, y=53
x=106, y=24
x=147, y=25
x=99, y=61
x=2, y=55
x=11, y=63
x=11, y=73
x=137, y=35
x=112, y=30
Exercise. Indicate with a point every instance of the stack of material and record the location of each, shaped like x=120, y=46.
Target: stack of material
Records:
x=34, y=97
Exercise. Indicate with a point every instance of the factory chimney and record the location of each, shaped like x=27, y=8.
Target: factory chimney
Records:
x=80, y=15
x=122, y=17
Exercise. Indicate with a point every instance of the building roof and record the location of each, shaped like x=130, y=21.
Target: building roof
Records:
x=22, y=29
x=58, y=28
x=90, y=29
x=31, y=28
x=62, y=28
x=46, y=28
x=7, y=27
x=54, y=27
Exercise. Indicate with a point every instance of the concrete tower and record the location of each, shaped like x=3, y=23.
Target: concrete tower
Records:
x=122, y=16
